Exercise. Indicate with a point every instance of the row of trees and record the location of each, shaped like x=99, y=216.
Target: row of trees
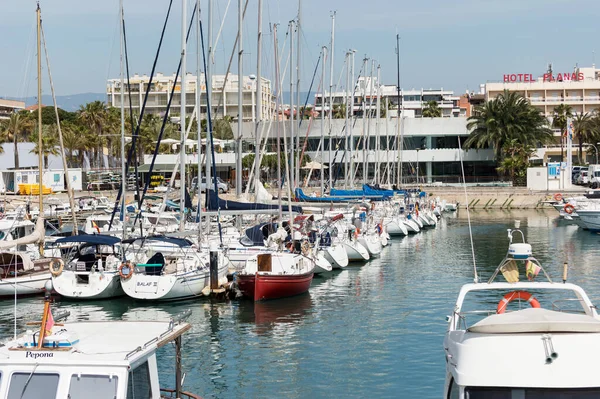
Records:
x=513, y=128
x=92, y=129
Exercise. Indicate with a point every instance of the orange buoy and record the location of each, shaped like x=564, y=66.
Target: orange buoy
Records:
x=511, y=296
x=569, y=208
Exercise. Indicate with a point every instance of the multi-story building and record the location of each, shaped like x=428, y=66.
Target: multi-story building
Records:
x=412, y=102
x=7, y=107
x=224, y=95
x=579, y=89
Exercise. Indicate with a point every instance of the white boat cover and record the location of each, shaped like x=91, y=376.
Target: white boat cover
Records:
x=536, y=320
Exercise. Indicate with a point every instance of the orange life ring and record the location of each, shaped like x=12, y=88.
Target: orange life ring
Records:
x=558, y=197
x=569, y=209
x=128, y=270
x=356, y=233
x=511, y=296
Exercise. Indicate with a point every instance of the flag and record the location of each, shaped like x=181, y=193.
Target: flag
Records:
x=94, y=225
x=49, y=322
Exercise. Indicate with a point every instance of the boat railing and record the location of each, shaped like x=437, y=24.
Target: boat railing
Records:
x=167, y=393
x=556, y=305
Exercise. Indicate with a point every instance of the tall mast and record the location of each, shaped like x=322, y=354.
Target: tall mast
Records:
x=298, y=103
x=323, y=120
x=238, y=163
x=377, y=126
x=368, y=142
x=331, y=99
x=400, y=143
x=346, y=125
x=352, y=52
x=364, y=118
x=258, y=118
x=40, y=147
x=123, y=171
x=277, y=122
x=293, y=150
x=208, y=151
x=182, y=122
x=198, y=122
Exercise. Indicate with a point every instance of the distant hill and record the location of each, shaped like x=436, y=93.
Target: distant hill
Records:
x=70, y=102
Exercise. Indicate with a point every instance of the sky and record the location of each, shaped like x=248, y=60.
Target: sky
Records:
x=455, y=45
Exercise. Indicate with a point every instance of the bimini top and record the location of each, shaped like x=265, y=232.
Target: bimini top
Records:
x=118, y=343
x=180, y=242
x=95, y=239
x=536, y=320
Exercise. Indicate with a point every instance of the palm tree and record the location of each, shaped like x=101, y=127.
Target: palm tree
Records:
x=73, y=140
x=10, y=131
x=94, y=116
x=339, y=112
x=432, y=110
x=585, y=129
x=508, y=116
x=49, y=143
x=562, y=112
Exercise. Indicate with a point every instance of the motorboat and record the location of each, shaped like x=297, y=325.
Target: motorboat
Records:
x=542, y=339
x=150, y=274
x=273, y=275
x=91, y=269
x=91, y=359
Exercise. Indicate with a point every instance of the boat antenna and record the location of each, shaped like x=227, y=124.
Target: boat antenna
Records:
x=462, y=169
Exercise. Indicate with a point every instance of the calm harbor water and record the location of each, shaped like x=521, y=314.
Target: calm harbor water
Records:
x=369, y=331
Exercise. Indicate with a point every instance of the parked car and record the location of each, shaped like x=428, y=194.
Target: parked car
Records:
x=594, y=176
x=582, y=178
x=221, y=185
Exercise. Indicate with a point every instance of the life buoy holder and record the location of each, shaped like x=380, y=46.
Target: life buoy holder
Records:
x=511, y=296
x=56, y=267
x=126, y=270
x=569, y=209
x=558, y=197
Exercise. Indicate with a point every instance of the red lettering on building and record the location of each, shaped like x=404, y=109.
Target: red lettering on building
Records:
x=546, y=77
x=513, y=77
x=506, y=78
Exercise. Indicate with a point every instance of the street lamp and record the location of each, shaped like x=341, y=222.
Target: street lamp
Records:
x=595, y=148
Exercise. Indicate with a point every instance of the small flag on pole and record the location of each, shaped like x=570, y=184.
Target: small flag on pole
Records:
x=49, y=322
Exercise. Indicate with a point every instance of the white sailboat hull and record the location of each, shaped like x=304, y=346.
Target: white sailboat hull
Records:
x=322, y=265
x=26, y=285
x=411, y=226
x=395, y=227
x=337, y=256
x=356, y=251
x=100, y=285
x=371, y=243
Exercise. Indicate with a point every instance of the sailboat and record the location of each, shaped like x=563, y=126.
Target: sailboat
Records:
x=20, y=272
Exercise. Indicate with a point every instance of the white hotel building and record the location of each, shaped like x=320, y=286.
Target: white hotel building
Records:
x=224, y=95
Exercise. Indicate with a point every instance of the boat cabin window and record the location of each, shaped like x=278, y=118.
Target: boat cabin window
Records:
x=531, y=393
x=138, y=384
x=33, y=386
x=93, y=387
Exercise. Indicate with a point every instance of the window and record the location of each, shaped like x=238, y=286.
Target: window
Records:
x=138, y=384
x=530, y=393
x=93, y=387
x=33, y=386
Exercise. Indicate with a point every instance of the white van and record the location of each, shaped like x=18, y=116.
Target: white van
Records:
x=594, y=176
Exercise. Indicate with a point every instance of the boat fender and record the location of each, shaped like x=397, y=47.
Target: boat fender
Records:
x=569, y=208
x=126, y=270
x=511, y=296
x=558, y=197
x=56, y=266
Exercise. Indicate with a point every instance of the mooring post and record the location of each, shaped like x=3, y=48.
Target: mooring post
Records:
x=178, y=367
x=214, y=265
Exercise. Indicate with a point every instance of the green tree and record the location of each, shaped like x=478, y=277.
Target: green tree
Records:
x=585, y=130
x=508, y=116
x=49, y=142
x=339, y=112
x=515, y=161
x=432, y=110
x=94, y=116
x=562, y=112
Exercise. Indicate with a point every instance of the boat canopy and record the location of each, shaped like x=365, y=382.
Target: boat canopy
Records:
x=214, y=203
x=180, y=242
x=257, y=234
x=95, y=239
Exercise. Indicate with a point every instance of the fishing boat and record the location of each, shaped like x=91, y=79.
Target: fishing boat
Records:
x=546, y=347
x=91, y=359
x=91, y=270
x=150, y=274
x=274, y=275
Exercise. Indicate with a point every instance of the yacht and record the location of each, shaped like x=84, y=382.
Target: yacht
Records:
x=541, y=340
